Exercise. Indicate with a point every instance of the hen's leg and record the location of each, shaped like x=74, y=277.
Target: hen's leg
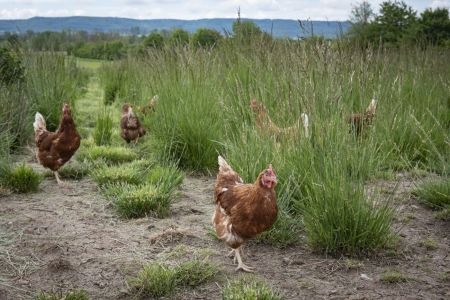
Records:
x=58, y=180
x=241, y=265
x=232, y=254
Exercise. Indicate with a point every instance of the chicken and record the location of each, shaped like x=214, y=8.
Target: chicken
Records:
x=243, y=210
x=150, y=106
x=131, y=128
x=265, y=123
x=54, y=149
x=360, y=122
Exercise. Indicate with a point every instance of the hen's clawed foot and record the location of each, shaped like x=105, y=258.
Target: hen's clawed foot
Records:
x=245, y=268
x=58, y=180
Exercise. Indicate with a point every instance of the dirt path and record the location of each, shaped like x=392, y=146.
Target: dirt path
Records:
x=68, y=238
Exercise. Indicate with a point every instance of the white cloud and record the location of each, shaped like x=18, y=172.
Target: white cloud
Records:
x=195, y=9
x=440, y=3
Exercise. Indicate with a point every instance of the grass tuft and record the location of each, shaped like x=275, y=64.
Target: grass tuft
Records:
x=111, y=155
x=155, y=280
x=194, y=273
x=434, y=194
x=247, y=288
x=428, y=244
x=393, y=277
x=103, y=129
x=22, y=179
x=158, y=280
x=117, y=174
x=443, y=215
x=133, y=201
x=72, y=295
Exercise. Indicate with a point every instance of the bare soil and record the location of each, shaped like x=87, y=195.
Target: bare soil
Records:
x=71, y=238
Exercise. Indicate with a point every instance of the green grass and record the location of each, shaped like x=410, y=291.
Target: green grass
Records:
x=103, y=128
x=444, y=214
x=126, y=173
x=21, y=179
x=247, y=288
x=428, y=244
x=140, y=188
x=133, y=201
x=73, y=170
x=72, y=295
x=393, y=276
x=108, y=154
x=89, y=63
x=434, y=194
x=158, y=280
x=195, y=272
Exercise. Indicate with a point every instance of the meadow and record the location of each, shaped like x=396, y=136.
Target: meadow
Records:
x=346, y=201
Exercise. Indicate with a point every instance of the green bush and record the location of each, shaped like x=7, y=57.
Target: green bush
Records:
x=205, y=37
x=22, y=179
x=11, y=68
x=103, y=129
x=154, y=40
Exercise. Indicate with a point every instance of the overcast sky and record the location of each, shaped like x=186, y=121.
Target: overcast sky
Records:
x=195, y=9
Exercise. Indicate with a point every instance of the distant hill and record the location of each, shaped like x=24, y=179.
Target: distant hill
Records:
x=278, y=27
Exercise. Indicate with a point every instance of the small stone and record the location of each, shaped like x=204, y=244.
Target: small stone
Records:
x=365, y=277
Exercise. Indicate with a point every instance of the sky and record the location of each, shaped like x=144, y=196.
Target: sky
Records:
x=196, y=9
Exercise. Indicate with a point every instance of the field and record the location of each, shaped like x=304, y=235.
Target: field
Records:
x=361, y=217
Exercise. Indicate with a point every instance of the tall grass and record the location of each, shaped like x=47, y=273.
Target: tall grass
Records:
x=51, y=80
x=204, y=110
x=103, y=128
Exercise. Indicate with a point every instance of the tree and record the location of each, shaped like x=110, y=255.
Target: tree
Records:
x=362, y=30
x=205, y=37
x=434, y=26
x=394, y=22
x=361, y=13
x=154, y=40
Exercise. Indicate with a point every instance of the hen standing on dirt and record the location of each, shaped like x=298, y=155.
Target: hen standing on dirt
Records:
x=131, y=128
x=243, y=210
x=54, y=149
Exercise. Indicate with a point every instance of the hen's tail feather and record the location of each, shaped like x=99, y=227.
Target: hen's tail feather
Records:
x=223, y=165
x=39, y=123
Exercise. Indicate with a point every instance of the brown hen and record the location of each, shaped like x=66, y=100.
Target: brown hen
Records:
x=265, y=124
x=54, y=149
x=131, y=128
x=243, y=210
x=361, y=122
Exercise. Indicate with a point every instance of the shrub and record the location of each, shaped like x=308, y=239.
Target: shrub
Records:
x=205, y=37
x=154, y=40
x=103, y=129
x=179, y=37
x=247, y=288
x=11, y=68
x=23, y=179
